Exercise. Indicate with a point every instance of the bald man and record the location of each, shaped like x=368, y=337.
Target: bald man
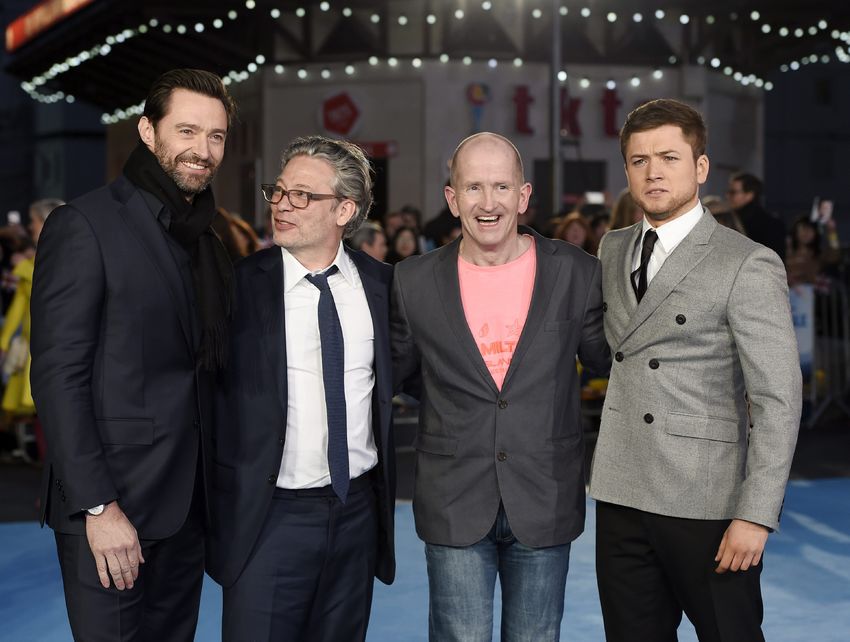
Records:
x=491, y=325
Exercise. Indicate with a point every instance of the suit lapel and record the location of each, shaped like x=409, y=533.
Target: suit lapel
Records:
x=545, y=278
x=687, y=255
x=267, y=294
x=448, y=288
x=625, y=256
x=150, y=233
x=376, y=297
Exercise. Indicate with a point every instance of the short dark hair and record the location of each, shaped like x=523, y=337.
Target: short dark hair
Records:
x=196, y=80
x=749, y=183
x=666, y=111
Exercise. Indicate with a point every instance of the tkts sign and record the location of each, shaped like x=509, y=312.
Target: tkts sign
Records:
x=570, y=108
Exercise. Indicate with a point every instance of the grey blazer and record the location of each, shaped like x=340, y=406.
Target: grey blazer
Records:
x=477, y=446
x=713, y=329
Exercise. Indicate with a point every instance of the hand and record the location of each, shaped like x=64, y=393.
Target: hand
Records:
x=741, y=546
x=115, y=546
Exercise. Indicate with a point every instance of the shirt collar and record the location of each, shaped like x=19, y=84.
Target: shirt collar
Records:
x=671, y=234
x=294, y=272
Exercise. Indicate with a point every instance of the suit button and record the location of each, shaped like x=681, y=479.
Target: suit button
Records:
x=503, y=403
x=502, y=456
x=619, y=356
x=604, y=307
x=272, y=479
x=653, y=363
x=280, y=441
x=648, y=418
x=680, y=319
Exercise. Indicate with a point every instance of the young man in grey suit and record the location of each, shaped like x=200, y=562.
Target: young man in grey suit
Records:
x=492, y=323
x=703, y=404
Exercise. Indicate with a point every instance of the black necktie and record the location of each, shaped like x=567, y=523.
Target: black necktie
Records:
x=649, y=240
x=333, y=373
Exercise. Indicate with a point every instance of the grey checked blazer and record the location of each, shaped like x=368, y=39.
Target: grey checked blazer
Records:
x=713, y=329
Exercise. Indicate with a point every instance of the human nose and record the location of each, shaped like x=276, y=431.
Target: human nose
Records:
x=202, y=147
x=284, y=204
x=488, y=199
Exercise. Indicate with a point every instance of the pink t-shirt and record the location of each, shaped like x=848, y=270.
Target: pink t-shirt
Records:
x=495, y=301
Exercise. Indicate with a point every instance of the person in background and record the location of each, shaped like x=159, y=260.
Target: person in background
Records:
x=238, y=237
x=806, y=260
x=599, y=226
x=625, y=211
x=575, y=229
x=402, y=245
x=723, y=213
x=370, y=238
x=745, y=196
x=17, y=397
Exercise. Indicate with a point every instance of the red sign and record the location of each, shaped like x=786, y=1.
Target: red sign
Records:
x=44, y=15
x=340, y=114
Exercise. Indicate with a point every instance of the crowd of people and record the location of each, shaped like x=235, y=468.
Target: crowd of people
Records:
x=198, y=414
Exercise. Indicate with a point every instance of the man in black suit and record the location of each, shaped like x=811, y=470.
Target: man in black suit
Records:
x=745, y=196
x=304, y=480
x=130, y=302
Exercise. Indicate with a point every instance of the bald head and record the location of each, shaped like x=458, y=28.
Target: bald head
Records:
x=483, y=140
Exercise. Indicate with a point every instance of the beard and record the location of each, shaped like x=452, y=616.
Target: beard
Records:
x=186, y=183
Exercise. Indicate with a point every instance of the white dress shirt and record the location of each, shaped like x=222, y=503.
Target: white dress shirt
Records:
x=305, y=452
x=669, y=236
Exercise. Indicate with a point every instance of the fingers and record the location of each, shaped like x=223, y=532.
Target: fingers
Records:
x=115, y=571
x=100, y=562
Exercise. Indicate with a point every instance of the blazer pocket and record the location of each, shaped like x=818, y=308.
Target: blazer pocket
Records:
x=126, y=432
x=703, y=427
x=224, y=477
x=436, y=444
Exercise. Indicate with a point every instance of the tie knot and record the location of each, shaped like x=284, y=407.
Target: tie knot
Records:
x=321, y=280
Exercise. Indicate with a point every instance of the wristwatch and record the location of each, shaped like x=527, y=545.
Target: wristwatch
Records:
x=97, y=510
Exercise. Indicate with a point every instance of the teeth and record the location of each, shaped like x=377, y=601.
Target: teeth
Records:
x=194, y=165
x=488, y=219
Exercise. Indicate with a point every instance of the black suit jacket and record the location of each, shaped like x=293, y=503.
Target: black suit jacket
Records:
x=250, y=428
x=114, y=376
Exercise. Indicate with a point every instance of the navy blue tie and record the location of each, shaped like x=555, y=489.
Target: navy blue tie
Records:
x=333, y=373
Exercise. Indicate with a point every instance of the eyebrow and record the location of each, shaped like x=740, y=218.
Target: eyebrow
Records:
x=195, y=126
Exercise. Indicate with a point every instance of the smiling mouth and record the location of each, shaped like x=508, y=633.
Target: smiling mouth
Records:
x=195, y=166
x=488, y=220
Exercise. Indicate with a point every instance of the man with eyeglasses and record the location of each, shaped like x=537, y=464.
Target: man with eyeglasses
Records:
x=745, y=195
x=303, y=466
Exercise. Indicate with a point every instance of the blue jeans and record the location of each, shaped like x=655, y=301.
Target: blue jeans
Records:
x=461, y=581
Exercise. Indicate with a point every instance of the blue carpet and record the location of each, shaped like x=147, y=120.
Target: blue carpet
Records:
x=806, y=580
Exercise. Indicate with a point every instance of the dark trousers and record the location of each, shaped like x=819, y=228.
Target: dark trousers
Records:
x=163, y=603
x=310, y=575
x=650, y=568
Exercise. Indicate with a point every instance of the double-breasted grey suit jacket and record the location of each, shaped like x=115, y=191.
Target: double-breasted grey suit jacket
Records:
x=713, y=329
x=477, y=445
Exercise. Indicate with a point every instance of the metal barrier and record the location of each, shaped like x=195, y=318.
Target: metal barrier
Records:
x=830, y=383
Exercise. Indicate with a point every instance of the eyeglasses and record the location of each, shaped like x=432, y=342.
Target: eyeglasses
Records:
x=298, y=198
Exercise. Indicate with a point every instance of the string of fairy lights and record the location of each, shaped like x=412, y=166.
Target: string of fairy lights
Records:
x=36, y=85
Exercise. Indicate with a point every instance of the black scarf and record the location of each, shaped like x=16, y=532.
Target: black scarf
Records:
x=212, y=271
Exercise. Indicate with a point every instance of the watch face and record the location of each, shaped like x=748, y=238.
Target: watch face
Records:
x=97, y=510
